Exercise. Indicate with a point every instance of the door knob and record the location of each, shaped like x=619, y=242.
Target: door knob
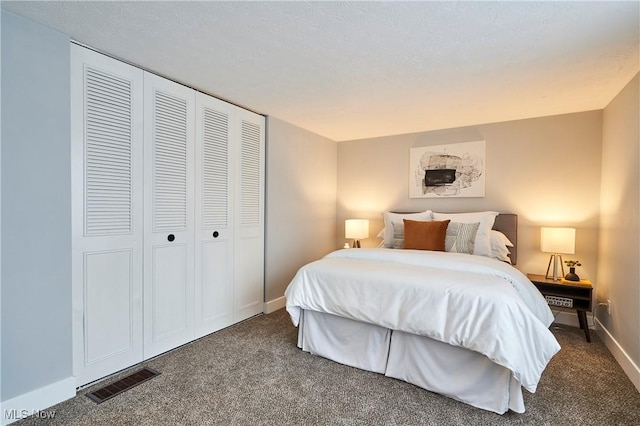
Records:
x=171, y=237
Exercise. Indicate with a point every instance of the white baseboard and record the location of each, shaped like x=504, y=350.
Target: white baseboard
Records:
x=274, y=305
x=628, y=366
x=37, y=401
x=625, y=361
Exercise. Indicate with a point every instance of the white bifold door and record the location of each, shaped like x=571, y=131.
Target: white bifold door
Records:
x=229, y=214
x=249, y=227
x=107, y=214
x=214, y=215
x=169, y=214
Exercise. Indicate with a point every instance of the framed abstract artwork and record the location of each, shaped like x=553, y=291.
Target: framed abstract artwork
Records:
x=454, y=170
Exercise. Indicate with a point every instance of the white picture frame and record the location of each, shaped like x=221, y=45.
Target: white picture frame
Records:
x=447, y=171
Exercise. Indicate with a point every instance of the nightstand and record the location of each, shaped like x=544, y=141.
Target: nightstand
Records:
x=562, y=294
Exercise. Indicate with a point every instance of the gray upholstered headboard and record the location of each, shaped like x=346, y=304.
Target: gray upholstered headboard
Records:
x=507, y=223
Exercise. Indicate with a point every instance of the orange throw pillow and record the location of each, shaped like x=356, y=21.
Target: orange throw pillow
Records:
x=425, y=235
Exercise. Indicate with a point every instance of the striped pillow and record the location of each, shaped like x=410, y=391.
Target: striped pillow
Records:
x=460, y=237
x=398, y=235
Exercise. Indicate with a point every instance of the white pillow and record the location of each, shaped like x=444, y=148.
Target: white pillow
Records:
x=501, y=253
x=498, y=239
x=482, y=244
x=391, y=218
x=499, y=244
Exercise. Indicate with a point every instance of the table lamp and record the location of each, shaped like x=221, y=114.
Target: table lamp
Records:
x=556, y=241
x=356, y=229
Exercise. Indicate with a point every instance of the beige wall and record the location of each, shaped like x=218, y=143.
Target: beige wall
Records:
x=547, y=170
x=619, y=250
x=301, y=202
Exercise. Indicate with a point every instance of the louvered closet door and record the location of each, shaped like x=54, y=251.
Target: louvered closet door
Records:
x=214, y=220
x=106, y=159
x=249, y=214
x=169, y=215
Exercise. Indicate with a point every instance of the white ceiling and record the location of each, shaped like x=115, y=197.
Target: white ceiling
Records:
x=350, y=70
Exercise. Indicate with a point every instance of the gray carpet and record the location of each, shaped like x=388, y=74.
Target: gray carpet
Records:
x=253, y=373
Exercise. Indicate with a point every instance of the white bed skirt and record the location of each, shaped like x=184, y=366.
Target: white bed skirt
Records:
x=346, y=341
x=452, y=371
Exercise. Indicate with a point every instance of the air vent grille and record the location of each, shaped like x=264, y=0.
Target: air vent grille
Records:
x=114, y=389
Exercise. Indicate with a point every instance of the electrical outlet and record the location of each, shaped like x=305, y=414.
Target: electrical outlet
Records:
x=609, y=306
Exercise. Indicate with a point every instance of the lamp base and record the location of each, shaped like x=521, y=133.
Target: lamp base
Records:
x=356, y=244
x=554, y=258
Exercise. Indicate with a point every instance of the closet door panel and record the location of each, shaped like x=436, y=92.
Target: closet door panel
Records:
x=249, y=229
x=169, y=218
x=108, y=304
x=170, y=295
x=214, y=305
x=249, y=282
x=214, y=215
x=107, y=214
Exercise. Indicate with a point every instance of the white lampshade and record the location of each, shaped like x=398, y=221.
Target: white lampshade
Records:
x=356, y=229
x=558, y=240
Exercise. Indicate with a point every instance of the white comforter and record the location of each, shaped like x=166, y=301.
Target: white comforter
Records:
x=470, y=301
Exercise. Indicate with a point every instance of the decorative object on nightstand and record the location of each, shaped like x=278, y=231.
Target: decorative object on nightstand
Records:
x=572, y=276
x=557, y=241
x=567, y=295
x=356, y=229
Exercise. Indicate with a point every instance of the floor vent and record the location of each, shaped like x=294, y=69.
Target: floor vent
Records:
x=107, y=392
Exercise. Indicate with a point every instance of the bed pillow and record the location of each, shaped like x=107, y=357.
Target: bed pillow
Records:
x=391, y=218
x=500, y=246
x=498, y=239
x=482, y=243
x=501, y=254
x=460, y=237
x=425, y=235
x=398, y=235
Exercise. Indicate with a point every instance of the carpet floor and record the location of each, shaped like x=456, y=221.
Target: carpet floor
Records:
x=253, y=374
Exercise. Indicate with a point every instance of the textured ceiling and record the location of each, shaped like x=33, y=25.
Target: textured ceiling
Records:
x=350, y=70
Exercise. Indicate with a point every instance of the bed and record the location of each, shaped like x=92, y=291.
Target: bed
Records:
x=464, y=325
